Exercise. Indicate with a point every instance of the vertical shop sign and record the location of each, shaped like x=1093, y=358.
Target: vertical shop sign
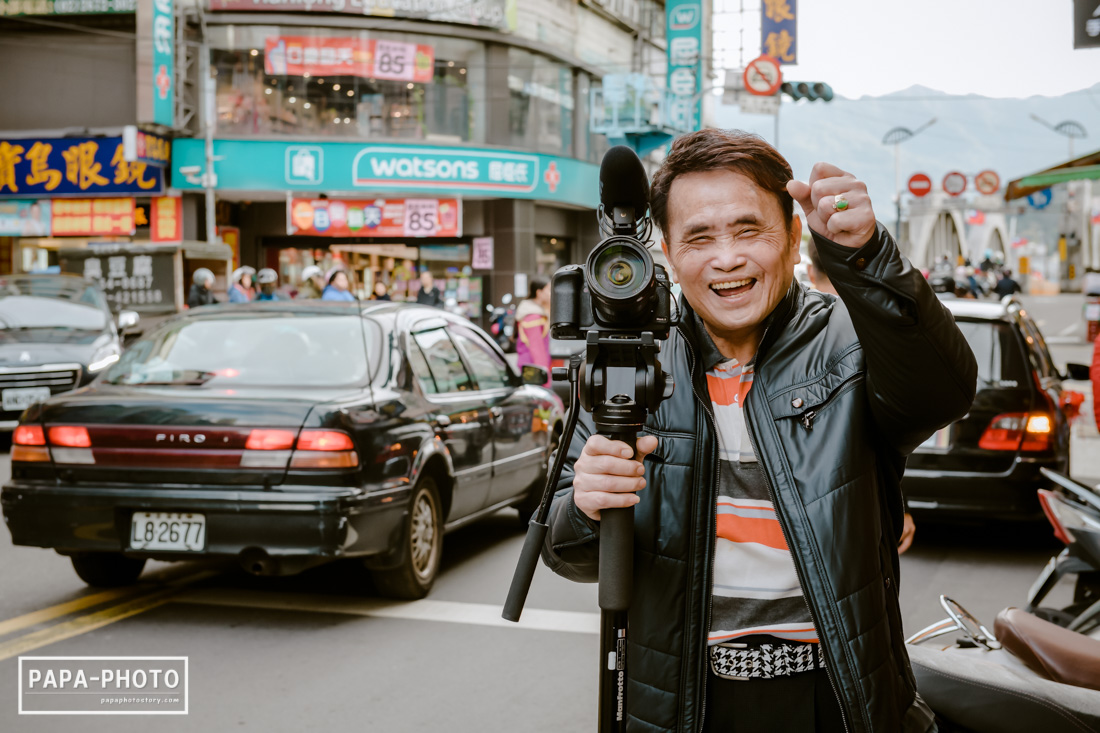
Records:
x=166, y=219
x=779, y=30
x=483, y=253
x=684, y=22
x=164, y=43
x=232, y=238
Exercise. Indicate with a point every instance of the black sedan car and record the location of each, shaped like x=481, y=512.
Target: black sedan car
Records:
x=56, y=334
x=986, y=465
x=284, y=435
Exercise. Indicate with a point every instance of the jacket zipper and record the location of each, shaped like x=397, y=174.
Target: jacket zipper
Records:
x=807, y=417
x=710, y=533
x=829, y=662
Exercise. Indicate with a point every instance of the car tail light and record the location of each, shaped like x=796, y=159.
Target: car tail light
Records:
x=324, y=440
x=71, y=444
x=270, y=440
x=29, y=445
x=324, y=449
x=1018, y=431
x=70, y=436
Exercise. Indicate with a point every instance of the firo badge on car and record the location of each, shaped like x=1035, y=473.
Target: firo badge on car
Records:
x=181, y=438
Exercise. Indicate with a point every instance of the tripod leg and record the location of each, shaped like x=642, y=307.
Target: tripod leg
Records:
x=612, y=671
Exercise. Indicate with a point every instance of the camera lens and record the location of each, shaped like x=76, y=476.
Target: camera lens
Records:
x=620, y=273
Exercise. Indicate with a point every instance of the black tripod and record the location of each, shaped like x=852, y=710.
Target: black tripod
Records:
x=619, y=381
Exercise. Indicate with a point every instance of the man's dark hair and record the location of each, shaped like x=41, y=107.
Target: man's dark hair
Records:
x=535, y=284
x=711, y=150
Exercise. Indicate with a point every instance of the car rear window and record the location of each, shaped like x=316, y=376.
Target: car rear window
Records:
x=280, y=349
x=998, y=352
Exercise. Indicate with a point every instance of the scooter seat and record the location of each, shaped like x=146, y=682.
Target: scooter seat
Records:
x=1049, y=650
x=967, y=688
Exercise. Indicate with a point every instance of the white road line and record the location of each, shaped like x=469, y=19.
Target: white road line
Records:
x=480, y=614
x=1070, y=328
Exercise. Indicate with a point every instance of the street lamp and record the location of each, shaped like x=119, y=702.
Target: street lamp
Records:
x=896, y=137
x=1066, y=128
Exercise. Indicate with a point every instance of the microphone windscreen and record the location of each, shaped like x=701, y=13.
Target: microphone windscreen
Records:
x=623, y=181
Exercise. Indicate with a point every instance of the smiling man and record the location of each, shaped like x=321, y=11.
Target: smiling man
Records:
x=767, y=507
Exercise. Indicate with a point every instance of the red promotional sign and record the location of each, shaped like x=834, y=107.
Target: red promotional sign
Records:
x=376, y=217
x=987, y=182
x=954, y=183
x=920, y=184
x=92, y=217
x=368, y=59
x=166, y=219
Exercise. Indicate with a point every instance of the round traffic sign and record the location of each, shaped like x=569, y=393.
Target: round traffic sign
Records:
x=920, y=184
x=1040, y=199
x=987, y=182
x=762, y=76
x=954, y=183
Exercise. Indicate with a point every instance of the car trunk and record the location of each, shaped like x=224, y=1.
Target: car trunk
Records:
x=178, y=435
x=1004, y=387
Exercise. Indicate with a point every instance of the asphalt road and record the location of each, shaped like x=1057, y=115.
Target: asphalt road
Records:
x=324, y=650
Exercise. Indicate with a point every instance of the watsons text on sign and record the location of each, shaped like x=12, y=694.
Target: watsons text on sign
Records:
x=422, y=168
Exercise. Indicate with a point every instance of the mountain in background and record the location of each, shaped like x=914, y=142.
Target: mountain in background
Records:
x=971, y=133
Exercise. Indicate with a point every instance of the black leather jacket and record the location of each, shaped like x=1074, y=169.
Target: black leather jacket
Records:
x=843, y=391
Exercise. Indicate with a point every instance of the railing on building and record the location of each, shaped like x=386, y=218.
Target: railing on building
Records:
x=630, y=109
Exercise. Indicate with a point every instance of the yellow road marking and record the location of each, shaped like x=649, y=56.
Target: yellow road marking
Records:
x=97, y=619
x=42, y=615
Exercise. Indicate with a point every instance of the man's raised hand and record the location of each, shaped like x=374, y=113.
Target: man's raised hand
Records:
x=851, y=226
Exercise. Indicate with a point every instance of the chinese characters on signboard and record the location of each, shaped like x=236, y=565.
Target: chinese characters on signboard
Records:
x=779, y=29
x=164, y=52
x=74, y=166
x=135, y=280
x=66, y=7
x=166, y=219
x=376, y=217
x=684, y=22
x=491, y=13
x=368, y=59
x=92, y=217
x=1086, y=24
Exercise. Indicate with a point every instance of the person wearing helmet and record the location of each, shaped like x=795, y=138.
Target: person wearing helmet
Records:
x=241, y=290
x=313, y=283
x=202, y=284
x=339, y=287
x=268, y=280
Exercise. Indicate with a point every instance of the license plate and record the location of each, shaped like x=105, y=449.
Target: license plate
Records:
x=939, y=440
x=22, y=398
x=167, y=531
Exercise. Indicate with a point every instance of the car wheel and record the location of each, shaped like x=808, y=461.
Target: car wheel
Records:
x=530, y=503
x=422, y=547
x=107, y=569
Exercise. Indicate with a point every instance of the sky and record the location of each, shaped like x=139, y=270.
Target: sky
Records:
x=995, y=48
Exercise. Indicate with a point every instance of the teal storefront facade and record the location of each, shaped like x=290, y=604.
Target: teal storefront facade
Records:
x=539, y=209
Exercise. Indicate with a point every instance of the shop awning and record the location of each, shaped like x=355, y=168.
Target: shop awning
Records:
x=1084, y=168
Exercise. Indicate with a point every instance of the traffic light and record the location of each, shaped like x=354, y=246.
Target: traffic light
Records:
x=811, y=90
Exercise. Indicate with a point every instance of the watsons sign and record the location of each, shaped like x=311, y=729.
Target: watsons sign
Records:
x=429, y=167
x=335, y=168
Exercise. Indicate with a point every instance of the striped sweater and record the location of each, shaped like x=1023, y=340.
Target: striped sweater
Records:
x=756, y=588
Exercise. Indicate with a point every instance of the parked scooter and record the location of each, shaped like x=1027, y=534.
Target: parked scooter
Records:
x=1074, y=512
x=502, y=323
x=1026, y=675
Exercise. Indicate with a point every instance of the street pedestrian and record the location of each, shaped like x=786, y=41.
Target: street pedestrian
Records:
x=313, y=283
x=1006, y=285
x=429, y=294
x=765, y=547
x=381, y=292
x=820, y=280
x=241, y=289
x=268, y=281
x=338, y=288
x=202, y=284
x=1094, y=375
x=533, y=325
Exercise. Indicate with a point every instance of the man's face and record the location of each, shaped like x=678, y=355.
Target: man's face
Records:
x=730, y=250
x=427, y=280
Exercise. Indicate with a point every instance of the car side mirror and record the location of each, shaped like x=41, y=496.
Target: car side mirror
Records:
x=534, y=374
x=1077, y=372
x=127, y=320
